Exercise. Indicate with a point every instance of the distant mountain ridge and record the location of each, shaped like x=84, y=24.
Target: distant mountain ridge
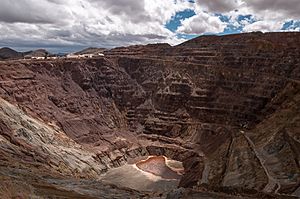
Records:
x=8, y=53
x=37, y=53
x=90, y=50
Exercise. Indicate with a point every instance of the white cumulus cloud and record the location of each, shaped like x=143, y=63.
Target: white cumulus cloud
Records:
x=269, y=15
x=82, y=23
x=202, y=23
x=108, y=23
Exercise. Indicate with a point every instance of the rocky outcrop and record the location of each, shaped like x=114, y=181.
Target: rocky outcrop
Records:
x=225, y=106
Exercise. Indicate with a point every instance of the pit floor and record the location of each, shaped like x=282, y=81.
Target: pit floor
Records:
x=154, y=173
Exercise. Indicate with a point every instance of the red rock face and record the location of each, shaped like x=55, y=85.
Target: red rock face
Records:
x=227, y=107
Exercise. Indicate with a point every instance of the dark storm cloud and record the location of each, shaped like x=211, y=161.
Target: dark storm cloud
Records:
x=68, y=24
x=217, y=6
x=290, y=7
x=58, y=40
x=132, y=9
x=30, y=11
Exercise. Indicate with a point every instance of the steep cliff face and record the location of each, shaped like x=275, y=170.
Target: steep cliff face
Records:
x=227, y=107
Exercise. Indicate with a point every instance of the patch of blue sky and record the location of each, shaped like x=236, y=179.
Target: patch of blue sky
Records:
x=175, y=21
x=223, y=18
x=186, y=36
x=291, y=25
x=233, y=28
x=248, y=18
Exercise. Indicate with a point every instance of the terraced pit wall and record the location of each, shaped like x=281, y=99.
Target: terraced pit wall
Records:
x=227, y=107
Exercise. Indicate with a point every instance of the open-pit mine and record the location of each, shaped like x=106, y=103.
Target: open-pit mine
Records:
x=214, y=117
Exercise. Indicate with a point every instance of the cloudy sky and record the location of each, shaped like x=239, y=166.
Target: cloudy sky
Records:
x=69, y=25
